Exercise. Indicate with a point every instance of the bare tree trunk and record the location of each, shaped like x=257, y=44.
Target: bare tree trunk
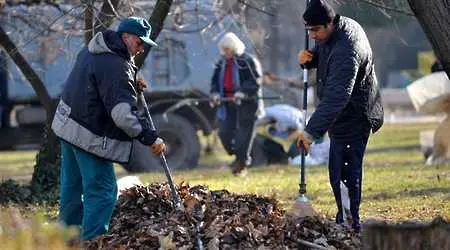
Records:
x=159, y=14
x=106, y=15
x=88, y=21
x=435, y=21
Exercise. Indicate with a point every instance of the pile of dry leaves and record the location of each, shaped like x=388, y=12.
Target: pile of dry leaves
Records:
x=146, y=218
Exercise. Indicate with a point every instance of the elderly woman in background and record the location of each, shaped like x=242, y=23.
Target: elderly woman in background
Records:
x=237, y=75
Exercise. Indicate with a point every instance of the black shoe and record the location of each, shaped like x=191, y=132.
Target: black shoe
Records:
x=356, y=228
x=239, y=169
x=339, y=218
x=233, y=164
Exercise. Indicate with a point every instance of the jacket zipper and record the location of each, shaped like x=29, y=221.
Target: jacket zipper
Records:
x=104, y=143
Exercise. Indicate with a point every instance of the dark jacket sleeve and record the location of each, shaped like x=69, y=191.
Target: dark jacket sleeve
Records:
x=215, y=85
x=251, y=72
x=342, y=71
x=115, y=83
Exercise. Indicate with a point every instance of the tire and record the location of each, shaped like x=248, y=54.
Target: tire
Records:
x=183, y=147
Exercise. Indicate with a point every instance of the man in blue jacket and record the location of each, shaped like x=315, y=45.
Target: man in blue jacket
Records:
x=350, y=106
x=96, y=120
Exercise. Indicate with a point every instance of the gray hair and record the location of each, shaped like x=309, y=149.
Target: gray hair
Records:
x=231, y=41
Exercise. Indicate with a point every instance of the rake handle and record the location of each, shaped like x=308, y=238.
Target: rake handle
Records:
x=230, y=99
x=302, y=185
x=162, y=157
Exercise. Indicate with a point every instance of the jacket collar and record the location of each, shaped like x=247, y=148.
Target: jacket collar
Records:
x=337, y=21
x=109, y=42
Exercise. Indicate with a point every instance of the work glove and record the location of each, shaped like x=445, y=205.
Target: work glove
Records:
x=214, y=100
x=305, y=56
x=158, y=147
x=140, y=83
x=304, y=140
x=238, y=97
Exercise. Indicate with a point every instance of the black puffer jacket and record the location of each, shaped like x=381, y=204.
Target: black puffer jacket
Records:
x=350, y=102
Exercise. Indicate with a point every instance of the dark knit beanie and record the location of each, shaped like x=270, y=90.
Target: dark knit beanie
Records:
x=318, y=12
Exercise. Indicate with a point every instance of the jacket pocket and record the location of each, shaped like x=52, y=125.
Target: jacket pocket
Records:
x=62, y=112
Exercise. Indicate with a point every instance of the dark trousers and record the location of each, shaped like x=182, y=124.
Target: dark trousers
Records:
x=346, y=159
x=236, y=132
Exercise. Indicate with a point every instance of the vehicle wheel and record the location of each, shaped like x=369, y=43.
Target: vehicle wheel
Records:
x=182, y=146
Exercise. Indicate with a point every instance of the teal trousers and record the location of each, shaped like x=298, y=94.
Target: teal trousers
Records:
x=88, y=191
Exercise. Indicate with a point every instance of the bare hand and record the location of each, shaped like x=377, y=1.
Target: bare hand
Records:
x=304, y=142
x=305, y=56
x=140, y=83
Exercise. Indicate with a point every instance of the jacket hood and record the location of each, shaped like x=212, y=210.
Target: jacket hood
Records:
x=108, y=42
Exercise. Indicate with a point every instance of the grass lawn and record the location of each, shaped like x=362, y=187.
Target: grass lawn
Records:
x=16, y=163
x=396, y=184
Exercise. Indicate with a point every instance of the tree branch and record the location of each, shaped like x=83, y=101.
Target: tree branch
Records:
x=382, y=6
x=47, y=28
x=159, y=14
x=106, y=15
x=255, y=8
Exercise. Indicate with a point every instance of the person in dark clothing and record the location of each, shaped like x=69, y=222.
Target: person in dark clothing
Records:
x=96, y=120
x=437, y=66
x=350, y=106
x=236, y=75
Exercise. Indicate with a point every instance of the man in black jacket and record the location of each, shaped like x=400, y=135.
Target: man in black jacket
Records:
x=350, y=106
x=96, y=120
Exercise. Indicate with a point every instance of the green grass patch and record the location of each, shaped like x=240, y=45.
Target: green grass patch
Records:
x=394, y=158
x=399, y=135
x=17, y=163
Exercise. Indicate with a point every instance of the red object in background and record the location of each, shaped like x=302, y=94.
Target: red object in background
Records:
x=228, y=84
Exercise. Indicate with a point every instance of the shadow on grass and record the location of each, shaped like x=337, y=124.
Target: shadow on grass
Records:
x=408, y=193
x=393, y=148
